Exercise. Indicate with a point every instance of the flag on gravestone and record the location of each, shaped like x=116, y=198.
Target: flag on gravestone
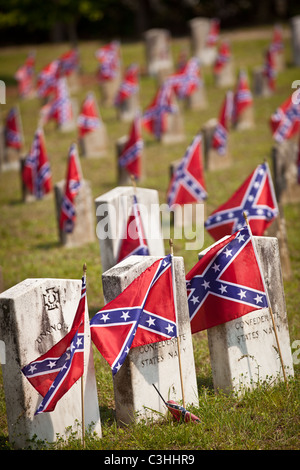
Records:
x=285, y=122
x=68, y=62
x=242, y=97
x=269, y=68
x=187, y=80
x=36, y=172
x=226, y=283
x=88, y=119
x=154, y=117
x=47, y=78
x=108, y=57
x=256, y=197
x=129, y=85
x=130, y=157
x=13, y=132
x=60, y=107
x=214, y=32
x=224, y=55
x=219, y=139
x=277, y=40
x=54, y=373
x=73, y=183
x=25, y=76
x=187, y=184
x=134, y=241
x=143, y=313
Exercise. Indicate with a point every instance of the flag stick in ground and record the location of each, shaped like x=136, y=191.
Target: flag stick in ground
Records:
x=175, y=305
x=82, y=386
x=133, y=183
x=268, y=300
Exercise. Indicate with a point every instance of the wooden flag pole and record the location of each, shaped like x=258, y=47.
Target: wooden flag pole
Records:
x=178, y=339
x=268, y=300
x=133, y=183
x=82, y=382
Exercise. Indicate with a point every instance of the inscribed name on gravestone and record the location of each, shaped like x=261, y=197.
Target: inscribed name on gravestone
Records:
x=156, y=363
x=112, y=211
x=244, y=352
x=34, y=315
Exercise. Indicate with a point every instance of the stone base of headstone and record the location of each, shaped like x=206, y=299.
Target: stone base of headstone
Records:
x=226, y=77
x=9, y=157
x=260, y=83
x=158, y=52
x=109, y=89
x=84, y=228
x=112, y=211
x=197, y=100
x=199, y=29
x=212, y=159
x=73, y=82
x=246, y=119
x=295, y=38
x=174, y=129
x=284, y=159
x=128, y=109
x=123, y=177
x=34, y=315
x=156, y=363
x=279, y=61
x=70, y=125
x=244, y=352
x=95, y=143
x=278, y=229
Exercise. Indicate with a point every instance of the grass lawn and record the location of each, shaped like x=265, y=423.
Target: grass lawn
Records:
x=267, y=418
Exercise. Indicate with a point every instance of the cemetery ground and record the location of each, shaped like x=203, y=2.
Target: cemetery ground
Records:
x=266, y=418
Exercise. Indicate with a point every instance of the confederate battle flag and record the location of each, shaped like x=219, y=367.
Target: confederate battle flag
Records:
x=242, y=97
x=13, y=132
x=219, y=286
x=219, y=139
x=130, y=156
x=88, y=119
x=285, y=122
x=256, y=197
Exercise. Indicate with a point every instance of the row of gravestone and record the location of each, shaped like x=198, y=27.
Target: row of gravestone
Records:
x=36, y=313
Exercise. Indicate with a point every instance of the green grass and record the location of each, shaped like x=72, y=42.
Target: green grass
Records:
x=267, y=418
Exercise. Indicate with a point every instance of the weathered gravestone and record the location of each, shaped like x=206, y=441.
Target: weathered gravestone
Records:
x=295, y=29
x=128, y=108
x=94, y=144
x=197, y=99
x=84, y=226
x=199, y=31
x=174, y=132
x=284, y=158
x=212, y=159
x=278, y=229
x=157, y=363
x=159, y=58
x=34, y=315
x=244, y=351
x=261, y=83
x=112, y=211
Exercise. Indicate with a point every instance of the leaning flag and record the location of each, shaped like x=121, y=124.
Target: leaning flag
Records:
x=213, y=34
x=54, y=373
x=12, y=131
x=72, y=186
x=109, y=59
x=256, y=197
x=187, y=80
x=224, y=55
x=242, y=97
x=25, y=76
x=61, y=105
x=269, y=70
x=285, y=122
x=187, y=184
x=143, y=313
x=131, y=154
x=36, y=172
x=226, y=283
x=88, y=119
x=47, y=78
x=220, y=135
x=129, y=85
x=68, y=62
x=154, y=118
x=134, y=241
